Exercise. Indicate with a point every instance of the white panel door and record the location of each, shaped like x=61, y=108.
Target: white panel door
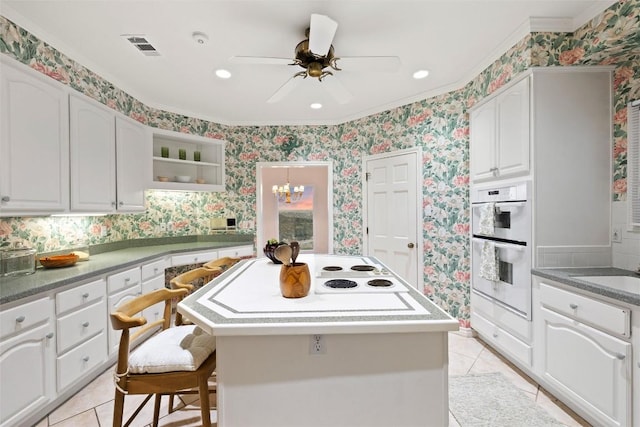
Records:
x=392, y=213
x=93, y=157
x=34, y=143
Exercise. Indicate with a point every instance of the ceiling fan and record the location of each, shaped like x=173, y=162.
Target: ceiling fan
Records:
x=316, y=56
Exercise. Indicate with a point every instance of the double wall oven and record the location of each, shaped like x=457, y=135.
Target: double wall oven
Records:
x=501, y=244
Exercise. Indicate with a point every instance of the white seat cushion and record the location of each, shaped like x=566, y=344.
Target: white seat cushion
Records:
x=181, y=348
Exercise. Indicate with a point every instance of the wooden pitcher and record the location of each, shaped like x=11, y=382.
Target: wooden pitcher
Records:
x=295, y=280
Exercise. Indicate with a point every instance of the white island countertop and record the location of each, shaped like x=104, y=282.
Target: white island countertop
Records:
x=247, y=301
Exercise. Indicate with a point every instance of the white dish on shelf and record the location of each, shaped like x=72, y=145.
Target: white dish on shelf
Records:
x=183, y=178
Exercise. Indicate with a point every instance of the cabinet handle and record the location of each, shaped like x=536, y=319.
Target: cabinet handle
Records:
x=113, y=204
x=5, y=198
x=495, y=335
x=195, y=259
x=49, y=335
x=85, y=324
x=155, y=270
x=85, y=359
x=121, y=203
x=85, y=295
x=20, y=319
x=573, y=306
x=127, y=279
x=620, y=356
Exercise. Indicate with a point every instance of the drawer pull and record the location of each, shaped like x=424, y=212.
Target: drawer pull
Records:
x=85, y=324
x=85, y=295
x=20, y=319
x=195, y=259
x=85, y=359
x=620, y=356
x=573, y=306
x=155, y=270
x=127, y=279
x=49, y=335
x=495, y=335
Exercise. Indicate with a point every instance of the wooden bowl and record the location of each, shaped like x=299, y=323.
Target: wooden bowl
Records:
x=58, y=261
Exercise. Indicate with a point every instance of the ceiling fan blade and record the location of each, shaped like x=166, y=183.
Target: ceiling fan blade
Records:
x=337, y=90
x=321, y=32
x=267, y=60
x=284, y=90
x=388, y=64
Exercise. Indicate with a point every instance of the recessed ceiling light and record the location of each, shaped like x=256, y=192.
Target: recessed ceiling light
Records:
x=420, y=74
x=223, y=74
x=316, y=106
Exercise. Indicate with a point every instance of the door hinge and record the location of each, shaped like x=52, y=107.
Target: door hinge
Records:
x=367, y=176
x=367, y=230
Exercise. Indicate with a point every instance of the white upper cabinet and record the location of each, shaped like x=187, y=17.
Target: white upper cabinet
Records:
x=133, y=148
x=500, y=135
x=109, y=159
x=34, y=143
x=93, y=156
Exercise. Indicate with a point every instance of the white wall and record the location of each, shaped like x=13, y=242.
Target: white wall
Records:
x=625, y=254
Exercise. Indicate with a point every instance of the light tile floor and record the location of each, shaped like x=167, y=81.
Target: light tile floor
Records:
x=93, y=405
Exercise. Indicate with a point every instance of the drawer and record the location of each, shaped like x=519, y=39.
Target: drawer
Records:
x=81, y=295
x=153, y=269
x=79, y=361
x=193, y=258
x=600, y=314
x=503, y=317
x=517, y=349
x=236, y=252
x=80, y=325
x=123, y=280
x=25, y=316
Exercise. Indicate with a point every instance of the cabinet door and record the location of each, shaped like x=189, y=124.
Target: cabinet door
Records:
x=483, y=142
x=93, y=158
x=27, y=373
x=513, y=130
x=598, y=378
x=34, y=143
x=134, y=151
x=116, y=301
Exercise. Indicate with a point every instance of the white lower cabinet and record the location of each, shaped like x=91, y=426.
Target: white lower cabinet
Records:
x=503, y=329
x=82, y=331
x=122, y=287
x=578, y=357
x=152, y=276
x=27, y=360
x=236, y=252
x=193, y=258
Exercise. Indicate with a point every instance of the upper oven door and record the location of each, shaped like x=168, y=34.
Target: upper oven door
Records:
x=511, y=220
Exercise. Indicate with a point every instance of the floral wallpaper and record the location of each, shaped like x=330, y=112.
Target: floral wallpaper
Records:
x=439, y=125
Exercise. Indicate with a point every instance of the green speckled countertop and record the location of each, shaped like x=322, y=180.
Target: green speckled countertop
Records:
x=111, y=258
x=571, y=277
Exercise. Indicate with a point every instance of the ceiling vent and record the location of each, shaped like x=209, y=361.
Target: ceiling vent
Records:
x=142, y=44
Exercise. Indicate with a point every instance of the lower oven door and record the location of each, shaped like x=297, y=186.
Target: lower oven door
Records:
x=514, y=287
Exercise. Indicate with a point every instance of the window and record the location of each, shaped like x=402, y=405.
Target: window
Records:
x=633, y=163
x=296, y=220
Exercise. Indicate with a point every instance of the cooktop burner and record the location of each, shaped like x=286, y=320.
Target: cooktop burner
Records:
x=380, y=283
x=340, y=283
x=363, y=268
x=332, y=268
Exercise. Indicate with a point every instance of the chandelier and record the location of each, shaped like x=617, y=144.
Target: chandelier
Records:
x=285, y=194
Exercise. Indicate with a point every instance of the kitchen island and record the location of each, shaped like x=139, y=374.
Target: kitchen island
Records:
x=357, y=356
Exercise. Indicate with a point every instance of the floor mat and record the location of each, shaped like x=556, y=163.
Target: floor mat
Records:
x=491, y=400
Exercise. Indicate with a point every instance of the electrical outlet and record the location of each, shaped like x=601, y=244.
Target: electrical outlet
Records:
x=617, y=235
x=317, y=345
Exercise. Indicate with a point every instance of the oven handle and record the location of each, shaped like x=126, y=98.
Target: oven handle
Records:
x=510, y=204
x=500, y=245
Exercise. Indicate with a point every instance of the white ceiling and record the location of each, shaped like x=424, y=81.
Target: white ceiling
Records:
x=453, y=39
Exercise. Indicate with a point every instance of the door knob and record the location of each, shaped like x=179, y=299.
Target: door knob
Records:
x=411, y=245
